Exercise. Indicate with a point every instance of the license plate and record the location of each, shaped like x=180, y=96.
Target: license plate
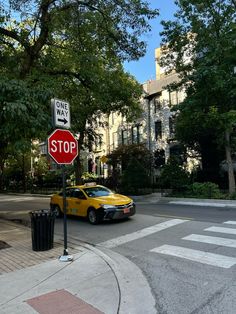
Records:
x=126, y=210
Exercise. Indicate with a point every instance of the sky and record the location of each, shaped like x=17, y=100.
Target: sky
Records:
x=144, y=69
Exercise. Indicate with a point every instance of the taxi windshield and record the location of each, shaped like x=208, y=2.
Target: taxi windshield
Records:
x=97, y=191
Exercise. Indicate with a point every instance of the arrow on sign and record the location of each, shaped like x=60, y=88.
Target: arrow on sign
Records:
x=62, y=120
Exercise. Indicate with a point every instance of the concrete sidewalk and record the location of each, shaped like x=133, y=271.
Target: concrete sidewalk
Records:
x=98, y=280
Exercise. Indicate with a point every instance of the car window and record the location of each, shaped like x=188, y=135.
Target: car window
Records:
x=68, y=193
x=97, y=191
x=78, y=194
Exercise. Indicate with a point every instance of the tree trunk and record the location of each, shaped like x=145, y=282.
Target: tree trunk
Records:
x=23, y=174
x=78, y=165
x=231, y=177
x=1, y=174
x=78, y=170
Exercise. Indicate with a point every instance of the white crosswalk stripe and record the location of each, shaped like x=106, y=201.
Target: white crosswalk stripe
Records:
x=17, y=199
x=211, y=240
x=197, y=256
x=141, y=233
x=204, y=257
x=221, y=230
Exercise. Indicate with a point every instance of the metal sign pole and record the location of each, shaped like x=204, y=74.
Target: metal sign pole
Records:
x=65, y=257
x=64, y=209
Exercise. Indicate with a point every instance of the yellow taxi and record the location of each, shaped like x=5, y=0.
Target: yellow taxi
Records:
x=96, y=202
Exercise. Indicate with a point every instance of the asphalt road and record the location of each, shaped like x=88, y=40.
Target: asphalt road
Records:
x=187, y=253
x=198, y=213
x=19, y=203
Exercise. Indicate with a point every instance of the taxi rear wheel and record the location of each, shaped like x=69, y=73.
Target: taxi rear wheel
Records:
x=93, y=216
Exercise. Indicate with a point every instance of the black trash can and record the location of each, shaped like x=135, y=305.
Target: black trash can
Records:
x=42, y=229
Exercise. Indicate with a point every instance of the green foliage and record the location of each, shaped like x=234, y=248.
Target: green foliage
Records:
x=124, y=153
x=51, y=179
x=231, y=196
x=200, y=46
x=71, y=50
x=122, y=159
x=173, y=176
x=41, y=166
x=159, y=158
x=205, y=190
x=134, y=178
x=24, y=113
x=89, y=177
x=17, y=170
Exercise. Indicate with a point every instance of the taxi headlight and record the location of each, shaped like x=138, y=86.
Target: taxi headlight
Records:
x=106, y=206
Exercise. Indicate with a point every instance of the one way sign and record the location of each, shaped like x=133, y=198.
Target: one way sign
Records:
x=61, y=113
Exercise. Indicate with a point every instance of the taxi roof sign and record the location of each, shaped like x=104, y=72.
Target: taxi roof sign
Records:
x=90, y=184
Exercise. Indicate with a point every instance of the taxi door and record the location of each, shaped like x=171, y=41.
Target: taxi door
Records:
x=78, y=203
x=68, y=200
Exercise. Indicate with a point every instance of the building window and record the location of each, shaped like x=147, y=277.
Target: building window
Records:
x=135, y=134
x=97, y=166
x=173, y=98
x=138, y=134
x=158, y=130
x=99, y=142
x=124, y=137
x=157, y=104
x=114, y=140
x=90, y=165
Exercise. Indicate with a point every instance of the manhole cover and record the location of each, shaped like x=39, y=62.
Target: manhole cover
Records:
x=4, y=245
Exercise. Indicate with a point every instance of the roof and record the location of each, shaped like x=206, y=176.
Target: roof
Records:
x=156, y=86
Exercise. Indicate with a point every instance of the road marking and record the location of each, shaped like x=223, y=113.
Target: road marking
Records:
x=7, y=199
x=17, y=199
x=12, y=230
x=196, y=256
x=230, y=222
x=221, y=230
x=211, y=240
x=141, y=233
x=174, y=216
x=201, y=204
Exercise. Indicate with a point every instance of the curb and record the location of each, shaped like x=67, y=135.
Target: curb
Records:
x=133, y=285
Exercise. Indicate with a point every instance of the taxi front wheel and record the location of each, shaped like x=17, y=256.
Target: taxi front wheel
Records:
x=93, y=217
x=57, y=211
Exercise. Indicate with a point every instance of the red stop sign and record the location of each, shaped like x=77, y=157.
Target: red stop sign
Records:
x=62, y=146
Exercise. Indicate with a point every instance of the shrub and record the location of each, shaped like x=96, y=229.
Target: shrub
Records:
x=205, y=190
x=89, y=177
x=134, y=177
x=173, y=176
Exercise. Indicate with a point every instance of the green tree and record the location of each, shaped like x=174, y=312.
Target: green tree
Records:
x=17, y=169
x=135, y=178
x=72, y=50
x=200, y=46
x=174, y=176
x=124, y=155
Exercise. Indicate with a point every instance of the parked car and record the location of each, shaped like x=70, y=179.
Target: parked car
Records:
x=96, y=202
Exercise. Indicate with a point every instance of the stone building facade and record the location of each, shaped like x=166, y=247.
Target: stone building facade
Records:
x=156, y=127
